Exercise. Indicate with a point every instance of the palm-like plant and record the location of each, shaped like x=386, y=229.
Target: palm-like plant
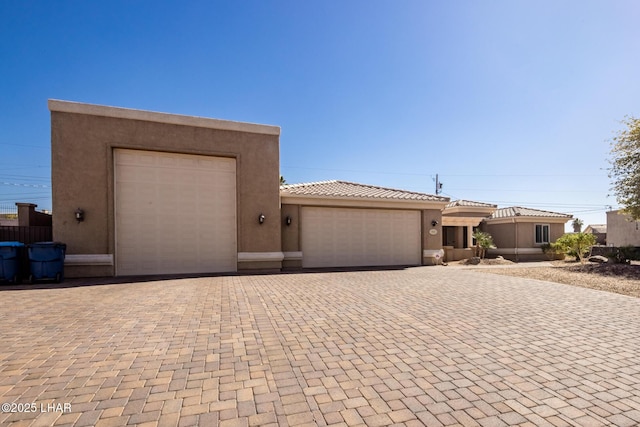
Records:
x=484, y=241
x=577, y=225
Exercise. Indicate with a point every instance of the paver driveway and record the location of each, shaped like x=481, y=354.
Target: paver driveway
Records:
x=423, y=346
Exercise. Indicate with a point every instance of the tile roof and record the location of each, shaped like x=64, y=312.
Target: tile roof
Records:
x=470, y=203
x=598, y=228
x=336, y=188
x=515, y=211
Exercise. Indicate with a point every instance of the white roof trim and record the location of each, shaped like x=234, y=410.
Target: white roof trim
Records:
x=363, y=202
x=528, y=219
x=152, y=116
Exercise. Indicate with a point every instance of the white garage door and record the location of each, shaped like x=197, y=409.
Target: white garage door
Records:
x=341, y=237
x=175, y=213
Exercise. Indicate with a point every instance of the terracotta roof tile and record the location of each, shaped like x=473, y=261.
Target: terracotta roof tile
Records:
x=470, y=203
x=350, y=189
x=515, y=211
x=598, y=228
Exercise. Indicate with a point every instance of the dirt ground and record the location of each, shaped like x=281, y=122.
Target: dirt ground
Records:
x=620, y=278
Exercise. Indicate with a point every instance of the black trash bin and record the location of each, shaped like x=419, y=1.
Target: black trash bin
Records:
x=46, y=261
x=10, y=261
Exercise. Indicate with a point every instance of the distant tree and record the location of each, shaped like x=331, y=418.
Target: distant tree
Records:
x=484, y=241
x=577, y=245
x=282, y=180
x=577, y=225
x=625, y=167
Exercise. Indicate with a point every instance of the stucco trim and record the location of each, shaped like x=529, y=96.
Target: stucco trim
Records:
x=260, y=256
x=292, y=256
x=361, y=202
x=527, y=219
x=88, y=259
x=433, y=253
x=448, y=221
x=466, y=210
x=515, y=251
x=152, y=116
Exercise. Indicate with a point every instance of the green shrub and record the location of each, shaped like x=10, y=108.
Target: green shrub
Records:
x=577, y=245
x=550, y=250
x=624, y=254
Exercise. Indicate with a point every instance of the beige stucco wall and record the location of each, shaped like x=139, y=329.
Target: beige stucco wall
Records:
x=505, y=234
x=291, y=247
x=82, y=175
x=621, y=230
x=291, y=236
x=432, y=251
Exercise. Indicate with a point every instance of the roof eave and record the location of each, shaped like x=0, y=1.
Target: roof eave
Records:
x=478, y=210
x=351, y=201
x=525, y=218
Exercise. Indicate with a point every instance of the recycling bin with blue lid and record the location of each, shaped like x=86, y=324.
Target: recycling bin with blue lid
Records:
x=46, y=260
x=10, y=261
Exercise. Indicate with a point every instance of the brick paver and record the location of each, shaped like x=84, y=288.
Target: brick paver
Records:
x=432, y=346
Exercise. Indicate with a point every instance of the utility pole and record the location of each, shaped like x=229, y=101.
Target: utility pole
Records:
x=438, y=185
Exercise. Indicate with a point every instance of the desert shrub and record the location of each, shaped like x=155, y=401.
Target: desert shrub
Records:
x=550, y=250
x=624, y=254
x=577, y=245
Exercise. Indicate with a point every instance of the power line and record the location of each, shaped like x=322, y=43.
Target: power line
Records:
x=17, y=184
x=432, y=175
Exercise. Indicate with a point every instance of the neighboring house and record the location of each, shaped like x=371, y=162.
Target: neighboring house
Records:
x=622, y=230
x=8, y=222
x=460, y=219
x=339, y=224
x=30, y=226
x=519, y=233
x=599, y=231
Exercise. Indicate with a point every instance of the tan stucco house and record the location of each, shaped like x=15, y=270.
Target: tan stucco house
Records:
x=460, y=219
x=622, y=230
x=162, y=193
x=138, y=193
x=520, y=233
x=141, y=193
x=599, y=231
x=338, y=223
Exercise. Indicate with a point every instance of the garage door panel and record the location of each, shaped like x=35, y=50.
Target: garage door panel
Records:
x=175, y=213
x=336, y=237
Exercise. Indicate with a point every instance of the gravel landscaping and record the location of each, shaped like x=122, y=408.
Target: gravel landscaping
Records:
x=619, y=278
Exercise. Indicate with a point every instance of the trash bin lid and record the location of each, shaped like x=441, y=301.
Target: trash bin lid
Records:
x=12, y=244
x=46, y=244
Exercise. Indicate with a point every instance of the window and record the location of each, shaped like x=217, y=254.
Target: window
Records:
x=542, y=234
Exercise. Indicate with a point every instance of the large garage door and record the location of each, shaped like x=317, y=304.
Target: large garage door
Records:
x=341, y=237
x=175, y=213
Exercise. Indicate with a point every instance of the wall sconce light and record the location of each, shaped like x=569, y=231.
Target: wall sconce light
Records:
x=288, y=220
x=79, y=215
x=261, y=218
x=434, y=222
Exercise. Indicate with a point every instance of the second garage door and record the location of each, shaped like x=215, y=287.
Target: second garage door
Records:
x=345, y=237
x=175, y=213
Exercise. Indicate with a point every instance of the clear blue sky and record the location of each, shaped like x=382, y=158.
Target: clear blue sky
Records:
x=510, y=102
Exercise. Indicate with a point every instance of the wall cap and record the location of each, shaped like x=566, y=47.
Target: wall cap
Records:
x=152, y=116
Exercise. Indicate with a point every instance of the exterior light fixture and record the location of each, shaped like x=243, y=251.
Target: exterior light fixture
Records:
x=434, y=222
x=79, y=213
x=261, y=218
x=288, y=220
